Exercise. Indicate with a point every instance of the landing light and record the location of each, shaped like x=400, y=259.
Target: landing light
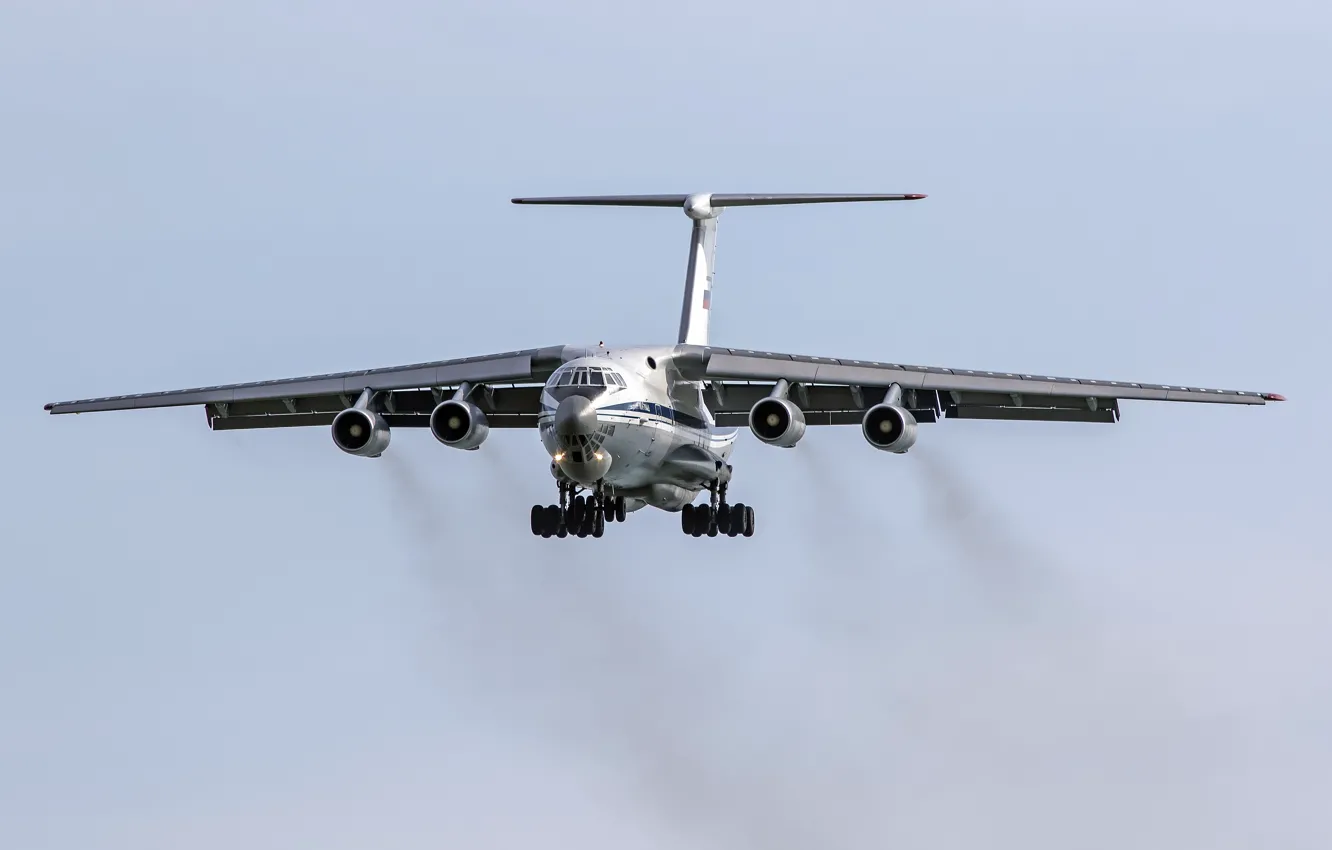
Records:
x=559, y=456
x=598, y=456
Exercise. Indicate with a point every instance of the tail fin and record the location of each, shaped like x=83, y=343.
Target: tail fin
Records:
x=704, y=209
x=698, y=275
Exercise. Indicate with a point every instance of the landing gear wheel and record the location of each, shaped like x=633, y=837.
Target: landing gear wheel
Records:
x=619, y=509
x=538, y=519
x=735, y=519
x=749, y=521
x=599, y=525
x=702, y=519
x=687, y=519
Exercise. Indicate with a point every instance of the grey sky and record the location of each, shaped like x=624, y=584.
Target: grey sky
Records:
x=1040, y=636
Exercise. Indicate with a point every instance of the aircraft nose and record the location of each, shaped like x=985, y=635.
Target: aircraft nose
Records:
x=575, y=416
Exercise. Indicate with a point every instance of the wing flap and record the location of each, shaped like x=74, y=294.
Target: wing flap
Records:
x=505, y=407
x=1107, y=415
x=820, y=417
x=836, y=404
x=399, y=420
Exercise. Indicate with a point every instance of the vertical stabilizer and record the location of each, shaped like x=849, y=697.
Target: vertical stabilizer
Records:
x=697, y=305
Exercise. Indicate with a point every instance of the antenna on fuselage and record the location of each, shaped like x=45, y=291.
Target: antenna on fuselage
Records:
x=704, y=208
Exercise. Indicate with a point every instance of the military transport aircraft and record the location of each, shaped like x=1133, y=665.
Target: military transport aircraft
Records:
x=654, y=425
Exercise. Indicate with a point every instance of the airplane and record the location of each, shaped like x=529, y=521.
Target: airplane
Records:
x=655, y=426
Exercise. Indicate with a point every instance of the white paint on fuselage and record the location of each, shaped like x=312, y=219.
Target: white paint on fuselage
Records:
x=655, y=414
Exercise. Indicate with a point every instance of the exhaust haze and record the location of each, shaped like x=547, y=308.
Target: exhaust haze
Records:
x=860, y=702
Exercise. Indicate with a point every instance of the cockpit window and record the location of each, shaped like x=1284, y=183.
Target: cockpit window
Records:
x=588, y=381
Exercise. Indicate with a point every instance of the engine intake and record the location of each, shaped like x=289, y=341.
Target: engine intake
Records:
x=777, y=421
x=459, y=424
x=889, y=427
x=360, y=432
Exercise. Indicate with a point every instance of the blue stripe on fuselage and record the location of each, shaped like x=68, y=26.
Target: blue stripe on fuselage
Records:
x=650, y=408
x=661, y=410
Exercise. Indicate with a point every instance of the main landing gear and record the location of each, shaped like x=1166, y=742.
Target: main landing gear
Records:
x=582, y=514
x=718, y=517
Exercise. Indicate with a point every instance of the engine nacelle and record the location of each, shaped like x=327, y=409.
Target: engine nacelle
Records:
x=361, y=432
x=459, y=424
x=777, y=422
x=889, y=427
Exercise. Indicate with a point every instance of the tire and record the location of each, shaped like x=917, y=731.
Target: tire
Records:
x=736, y=521
x=702, y=519
x=538, y=518
x=712, y=528
x=599, y=525
x=619, y=509
x=723, y=516
x=749, y=521
x=687, y=519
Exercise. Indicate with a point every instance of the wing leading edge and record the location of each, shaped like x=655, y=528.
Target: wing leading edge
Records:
x=838, y=391
x=409, y=393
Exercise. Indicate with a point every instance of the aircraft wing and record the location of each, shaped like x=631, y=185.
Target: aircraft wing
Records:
x=838, y=391
x=409, y=393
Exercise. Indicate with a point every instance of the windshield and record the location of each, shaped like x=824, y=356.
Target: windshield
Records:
x=587, y=381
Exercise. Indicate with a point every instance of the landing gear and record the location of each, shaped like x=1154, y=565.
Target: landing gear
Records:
x=732, y=520
x=580, y=513
x=585, y=512
x=718, y=517
x=614, y=509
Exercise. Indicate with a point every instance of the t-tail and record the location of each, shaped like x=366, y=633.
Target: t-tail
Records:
x=704, y=208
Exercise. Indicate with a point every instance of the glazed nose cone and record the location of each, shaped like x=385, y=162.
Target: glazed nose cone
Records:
x=575, y=416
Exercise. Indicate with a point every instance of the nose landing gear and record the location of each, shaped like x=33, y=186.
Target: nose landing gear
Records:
x=580, y=513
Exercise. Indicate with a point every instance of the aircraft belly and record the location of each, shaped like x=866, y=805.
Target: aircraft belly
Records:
x=636, y=449
x=653, y=454
x=658, y=460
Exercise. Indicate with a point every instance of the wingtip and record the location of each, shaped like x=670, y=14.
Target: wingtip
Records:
x=48, y=406
x=916, y=196
x=1273, y=397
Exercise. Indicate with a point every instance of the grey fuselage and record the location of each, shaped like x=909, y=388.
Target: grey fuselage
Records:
x=626, y=418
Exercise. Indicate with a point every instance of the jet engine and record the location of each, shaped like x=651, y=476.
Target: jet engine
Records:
x=360, y=432
x=459, y=424
x=777, y=422
x=889, y=427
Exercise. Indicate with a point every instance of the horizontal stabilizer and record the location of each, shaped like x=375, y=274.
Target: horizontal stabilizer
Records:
x=715, y=200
